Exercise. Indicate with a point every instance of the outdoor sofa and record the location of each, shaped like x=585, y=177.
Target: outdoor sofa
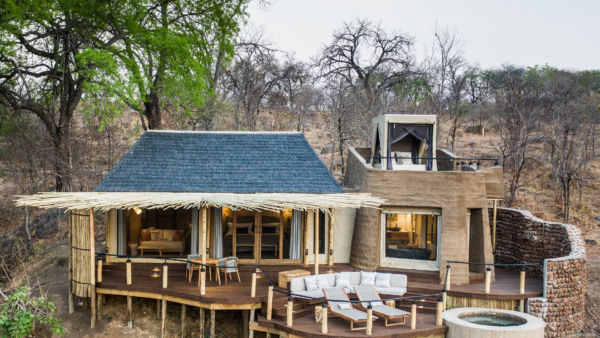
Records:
x=391, y=284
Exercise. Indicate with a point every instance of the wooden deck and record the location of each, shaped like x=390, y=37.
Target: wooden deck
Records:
x=237, y=295
x=337, y=327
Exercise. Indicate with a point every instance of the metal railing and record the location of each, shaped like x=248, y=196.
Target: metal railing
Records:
x=456, y=160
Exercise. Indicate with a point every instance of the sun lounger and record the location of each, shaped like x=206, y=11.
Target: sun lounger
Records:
x=345, y=309
x=390, y=314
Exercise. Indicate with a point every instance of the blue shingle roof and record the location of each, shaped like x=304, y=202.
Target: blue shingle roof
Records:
x=221, y=162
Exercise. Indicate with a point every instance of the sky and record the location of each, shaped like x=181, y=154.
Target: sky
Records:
x=563, y=34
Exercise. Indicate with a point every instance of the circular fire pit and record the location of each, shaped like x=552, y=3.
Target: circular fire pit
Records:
x=482, y=322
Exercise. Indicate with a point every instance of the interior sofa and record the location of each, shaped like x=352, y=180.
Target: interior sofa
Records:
x=162, y=240
x=396, y=286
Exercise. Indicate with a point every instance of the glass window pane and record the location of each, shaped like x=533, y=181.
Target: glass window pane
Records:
x=411, y=236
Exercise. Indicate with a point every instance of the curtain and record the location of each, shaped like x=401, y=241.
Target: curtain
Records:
x=218, y=233
x=423, y=133
x=195, y=229
x=296, y=235
x=121, y=235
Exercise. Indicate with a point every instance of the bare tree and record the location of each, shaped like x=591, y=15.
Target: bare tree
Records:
x=370, y=61
x=517, y=97
x=569, y=134
x=446, y=67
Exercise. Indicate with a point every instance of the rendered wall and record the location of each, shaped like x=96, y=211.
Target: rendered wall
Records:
x=523, y=238
x=451, y=191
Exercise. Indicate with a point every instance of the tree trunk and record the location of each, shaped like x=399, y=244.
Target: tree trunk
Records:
x=152, y=112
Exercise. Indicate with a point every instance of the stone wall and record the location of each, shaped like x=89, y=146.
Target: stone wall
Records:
x=523, y=238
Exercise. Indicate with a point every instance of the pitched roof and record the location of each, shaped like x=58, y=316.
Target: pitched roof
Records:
x=232, y=162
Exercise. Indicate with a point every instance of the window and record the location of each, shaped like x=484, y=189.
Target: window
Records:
x=411, y=234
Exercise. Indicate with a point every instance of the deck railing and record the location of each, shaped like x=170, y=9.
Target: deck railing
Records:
x=488, y=276
x=100, y=257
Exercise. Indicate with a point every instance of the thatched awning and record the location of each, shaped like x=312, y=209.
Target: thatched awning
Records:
x=161, y=200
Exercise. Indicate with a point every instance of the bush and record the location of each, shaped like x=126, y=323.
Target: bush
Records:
x=21, y=314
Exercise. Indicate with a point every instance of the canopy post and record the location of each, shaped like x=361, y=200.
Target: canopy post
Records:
x=316, y=236
x=92, y=270
x=331, y=229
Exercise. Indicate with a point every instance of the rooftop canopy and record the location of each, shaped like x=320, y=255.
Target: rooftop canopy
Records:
x=160, y=200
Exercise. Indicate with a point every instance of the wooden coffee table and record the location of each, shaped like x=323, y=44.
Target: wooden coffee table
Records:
x=286, y=276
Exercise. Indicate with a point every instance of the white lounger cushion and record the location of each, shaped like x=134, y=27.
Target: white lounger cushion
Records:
x=395, y=291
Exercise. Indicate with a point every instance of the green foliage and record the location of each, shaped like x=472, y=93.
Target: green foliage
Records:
x=21, y=313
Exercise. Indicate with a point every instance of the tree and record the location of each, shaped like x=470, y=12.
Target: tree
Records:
x=167, y=49
x=517, y=115
x=446, y=67
x=370, y=60
x=41, y=71
x=570, y=134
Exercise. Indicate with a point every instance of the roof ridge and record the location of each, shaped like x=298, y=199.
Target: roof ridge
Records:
x=220, y=132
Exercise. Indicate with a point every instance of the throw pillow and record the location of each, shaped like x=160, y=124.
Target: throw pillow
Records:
x=342, y=280
x=155, y=235
x=145, y=235
x=345, y=306
x=178, y=236
x=168, y=235
x=367, y=278
x=311, y=283
x=322, y=282
x=382, y=280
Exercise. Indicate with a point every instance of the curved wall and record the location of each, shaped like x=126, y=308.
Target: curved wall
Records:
x=524, y=238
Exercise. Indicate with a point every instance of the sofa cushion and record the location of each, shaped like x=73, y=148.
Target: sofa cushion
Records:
x=178, y=235
x=398, y=280
x=342, y=280
x=145, y=235
x=155, y=235
x=355, y=278
x=311, y=294
x=383, y=279
x=311, y=283
x=367, y=278
x=164, y=245
x=323, y=282
x=392, y=291
x=167, y=235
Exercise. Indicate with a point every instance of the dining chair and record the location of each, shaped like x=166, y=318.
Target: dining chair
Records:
x=228, y=265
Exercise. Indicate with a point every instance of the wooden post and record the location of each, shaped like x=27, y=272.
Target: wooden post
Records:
x=316, y=242
x=246, y=323
x=158, y=308
x=290, y=311
x=203, y=252
x=369, y=329
x=253, y=288
x=70, y=297
x=488, y=279
x=165, y=275
x=281, y=234
x=202, y=321
x=438, y=312
x=129, y=312
x=331, y=223
x=99, y=306
x=522, y=281
x=234, y=236
x=307, y=216
x=413, y=315
x=447, y=286
x=92, y=270
x=251, y=319
x=444, y=299
x=183, y=320
x=212, y=323
x=203, y=281
x=324, y=319
x=99, y=271
x=270, y=302
x=128, y=266
x=163, y=320
x=495, y=214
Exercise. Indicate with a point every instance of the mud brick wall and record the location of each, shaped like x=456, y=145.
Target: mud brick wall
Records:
x=523, y=238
